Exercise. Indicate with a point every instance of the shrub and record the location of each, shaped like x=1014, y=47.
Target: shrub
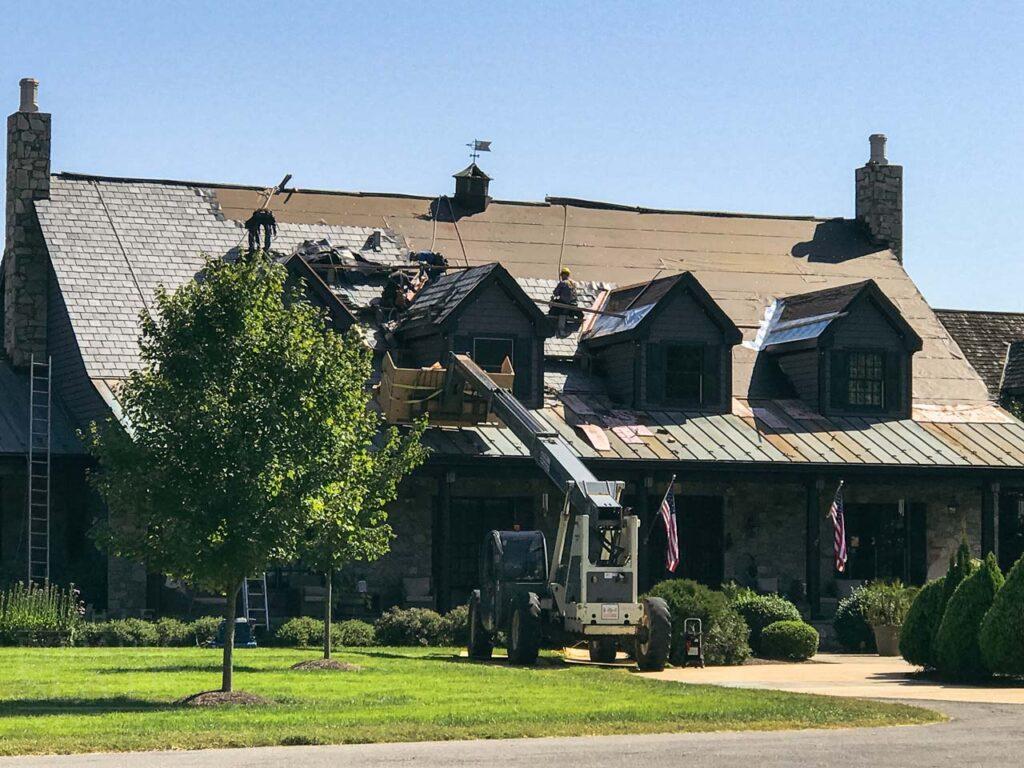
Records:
x=725, y=636
x=727, y=641
x=300, y=632
x=353, y=633
x=456, y=626
x=922, y=622
x=886, y=603
x=173, y=632
x=961, y=565
x=758, y=611
x=122, y=633
x=204, y=629
x=790, y=640
x=957, y=654
x=1002, y=630
x=35, y=614
x=852, y=629
x=410, y=626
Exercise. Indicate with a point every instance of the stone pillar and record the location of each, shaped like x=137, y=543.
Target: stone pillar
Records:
x=443, y=534
x=126, y=588
x=879, y=198
x=990, y=519
x=25, y=263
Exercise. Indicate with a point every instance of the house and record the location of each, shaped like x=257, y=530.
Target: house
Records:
x=754, y=361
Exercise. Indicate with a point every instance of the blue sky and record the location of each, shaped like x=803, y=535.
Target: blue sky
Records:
x=710, y=106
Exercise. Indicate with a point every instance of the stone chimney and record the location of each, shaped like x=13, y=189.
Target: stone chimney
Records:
x=471, y=187
x=880, y=198
x=25, y=264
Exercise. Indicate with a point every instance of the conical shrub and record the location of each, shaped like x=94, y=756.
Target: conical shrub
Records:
x=1002, y=631
x=961, y=565
x=957, y=654
x=919, y=628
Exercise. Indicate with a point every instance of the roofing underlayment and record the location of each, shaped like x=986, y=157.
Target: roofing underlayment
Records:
x=113, y=241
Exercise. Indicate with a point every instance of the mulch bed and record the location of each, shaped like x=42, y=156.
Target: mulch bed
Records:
x=222, y=699
x=332, y=664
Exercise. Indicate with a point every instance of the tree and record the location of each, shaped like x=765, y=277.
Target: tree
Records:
x=351, y=521
x=957, y=653
x=1002, y=631
x=235, y=433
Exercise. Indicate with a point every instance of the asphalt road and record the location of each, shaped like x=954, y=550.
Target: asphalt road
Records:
x=989, y=735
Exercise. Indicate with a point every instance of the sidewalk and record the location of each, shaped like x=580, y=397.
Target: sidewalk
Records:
x=837, y=674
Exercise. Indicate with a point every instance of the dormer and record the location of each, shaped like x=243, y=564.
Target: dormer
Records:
x=484, y=313
x=847, y=351
x=664, y=344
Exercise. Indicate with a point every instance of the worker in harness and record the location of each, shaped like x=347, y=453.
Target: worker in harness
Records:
x=396, y=293
x=565, y=295
x=432, y=265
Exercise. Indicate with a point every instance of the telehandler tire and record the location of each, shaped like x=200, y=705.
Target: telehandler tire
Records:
x=481, y=642
x=524, y=630
x=602, y=650
x=654, y=639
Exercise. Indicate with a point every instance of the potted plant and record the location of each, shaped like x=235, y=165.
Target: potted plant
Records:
x=885, y=608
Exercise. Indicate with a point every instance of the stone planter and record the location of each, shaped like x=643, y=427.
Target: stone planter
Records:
x=887, y=638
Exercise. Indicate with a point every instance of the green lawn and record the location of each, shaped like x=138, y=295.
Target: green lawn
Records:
x=89, y=699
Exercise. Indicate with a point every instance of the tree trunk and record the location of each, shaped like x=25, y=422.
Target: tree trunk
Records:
x=328, y=599
x=229, y=637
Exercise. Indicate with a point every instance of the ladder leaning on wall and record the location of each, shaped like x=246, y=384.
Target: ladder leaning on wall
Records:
x=254, y=601
x=39, y=403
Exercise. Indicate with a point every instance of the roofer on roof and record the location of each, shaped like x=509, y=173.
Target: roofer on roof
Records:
x=564, y=293
x=432, y=264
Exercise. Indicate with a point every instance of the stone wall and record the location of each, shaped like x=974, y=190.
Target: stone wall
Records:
x=25, y=258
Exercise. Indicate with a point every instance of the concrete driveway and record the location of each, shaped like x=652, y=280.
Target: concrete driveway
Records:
x=837, y=674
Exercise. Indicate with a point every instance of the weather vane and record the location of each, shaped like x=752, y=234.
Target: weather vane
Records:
x=476, y=147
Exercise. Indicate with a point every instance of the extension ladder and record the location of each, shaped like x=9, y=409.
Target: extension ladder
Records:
x=254, y=601
x=39, y=402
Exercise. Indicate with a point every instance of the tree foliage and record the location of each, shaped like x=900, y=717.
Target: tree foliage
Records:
x=245, y=427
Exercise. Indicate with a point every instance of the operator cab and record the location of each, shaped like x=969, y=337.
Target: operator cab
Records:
x=520, y=556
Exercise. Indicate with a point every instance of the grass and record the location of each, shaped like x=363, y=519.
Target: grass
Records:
x=113, y=699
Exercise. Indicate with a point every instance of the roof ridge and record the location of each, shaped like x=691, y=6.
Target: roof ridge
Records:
x=937, y=310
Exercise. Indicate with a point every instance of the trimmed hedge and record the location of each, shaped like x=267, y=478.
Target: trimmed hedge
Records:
x=957, y=654
x=961, y=565
x=789, y=640
x=917, y=637
x=758, y=611
x=119, y=633
x=1002, y=630
x=725, y=631
x=852, y=629
x=307, y=632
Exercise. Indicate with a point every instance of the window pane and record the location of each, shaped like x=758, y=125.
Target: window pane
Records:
x=490, y=353
x=683, y=372
x=866, y=380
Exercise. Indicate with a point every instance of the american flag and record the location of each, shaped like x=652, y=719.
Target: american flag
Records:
x=838, y=515
x=668, y=516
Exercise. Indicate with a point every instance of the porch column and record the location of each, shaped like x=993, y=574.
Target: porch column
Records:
x=813, y=554
x=990, y=519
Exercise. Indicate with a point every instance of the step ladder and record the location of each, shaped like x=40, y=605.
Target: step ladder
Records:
x=254, y=601
x=39, y=403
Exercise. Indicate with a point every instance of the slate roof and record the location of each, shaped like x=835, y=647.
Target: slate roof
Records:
x=1013, y=371
x=440, y=298
x=984, y=337
x=112, y=243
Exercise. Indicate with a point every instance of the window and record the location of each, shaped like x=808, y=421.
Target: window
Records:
x=684, y=369
x=866, y=380
x=490, y=352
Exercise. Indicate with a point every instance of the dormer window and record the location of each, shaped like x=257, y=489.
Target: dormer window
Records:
x=489, y=352
x=664, y=344
x=845, y=350
x=865, y=380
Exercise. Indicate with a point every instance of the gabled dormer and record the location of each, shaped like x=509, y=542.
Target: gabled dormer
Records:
x=664, y=344
x=483, y=312
x=845, y=350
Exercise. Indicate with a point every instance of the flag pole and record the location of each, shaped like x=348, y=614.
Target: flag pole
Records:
x=838, y=488
x=667, y=492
